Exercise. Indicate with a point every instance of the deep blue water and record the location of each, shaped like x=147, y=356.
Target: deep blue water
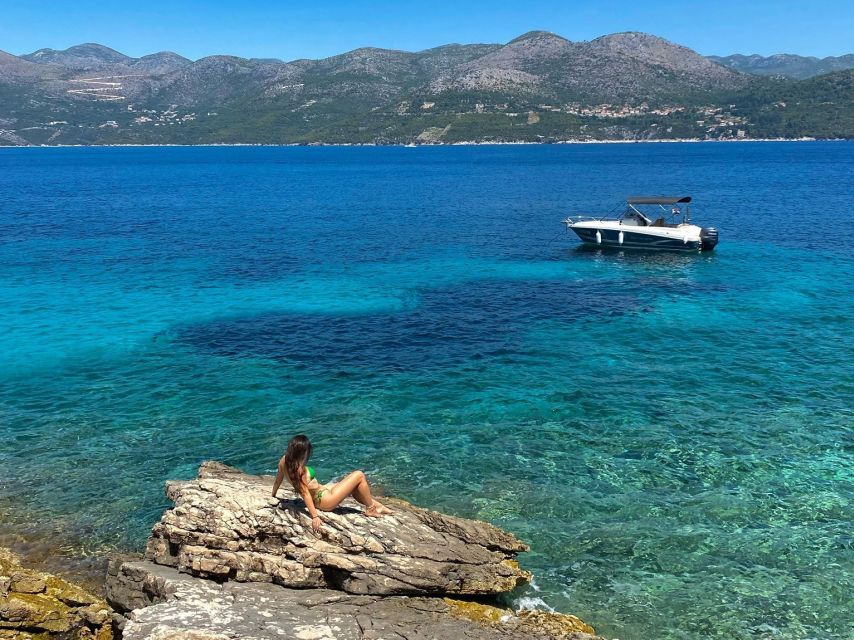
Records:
x=672, y=434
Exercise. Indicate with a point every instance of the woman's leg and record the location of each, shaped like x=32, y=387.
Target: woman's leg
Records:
x=355, y=484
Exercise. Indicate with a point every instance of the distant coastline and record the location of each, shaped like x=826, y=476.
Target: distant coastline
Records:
x=432, y=144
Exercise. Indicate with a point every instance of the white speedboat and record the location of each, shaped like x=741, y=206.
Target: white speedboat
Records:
x=667, y=226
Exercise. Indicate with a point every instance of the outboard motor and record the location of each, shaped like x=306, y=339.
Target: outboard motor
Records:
x=708, y=238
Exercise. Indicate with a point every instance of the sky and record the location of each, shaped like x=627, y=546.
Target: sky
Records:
x=289, y=30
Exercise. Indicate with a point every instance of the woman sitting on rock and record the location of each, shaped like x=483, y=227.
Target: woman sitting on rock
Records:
x=322, y=496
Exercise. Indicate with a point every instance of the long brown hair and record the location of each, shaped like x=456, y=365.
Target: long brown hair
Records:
x=298, y=453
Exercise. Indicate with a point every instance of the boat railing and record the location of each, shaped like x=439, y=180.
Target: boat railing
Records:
x=574, y=219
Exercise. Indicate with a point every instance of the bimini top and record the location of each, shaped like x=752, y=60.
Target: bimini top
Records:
x=658, y=199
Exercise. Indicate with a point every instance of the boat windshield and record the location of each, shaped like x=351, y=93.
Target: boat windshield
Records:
x=634, y=217
x=666, y=210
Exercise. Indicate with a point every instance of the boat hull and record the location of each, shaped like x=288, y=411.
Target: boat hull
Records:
x=626, y=239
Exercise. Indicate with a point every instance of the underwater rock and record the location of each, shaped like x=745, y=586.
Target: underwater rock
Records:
x=226, y=526
x=528, y=623
x=36, y=605
x=180, y=606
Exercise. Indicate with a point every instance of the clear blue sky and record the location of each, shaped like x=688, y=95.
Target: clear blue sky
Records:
x=312, y=29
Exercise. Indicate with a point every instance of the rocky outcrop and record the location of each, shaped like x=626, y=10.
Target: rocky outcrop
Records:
x=225, y=525
x=177, y=606
x=40, y=606
x=229, y=561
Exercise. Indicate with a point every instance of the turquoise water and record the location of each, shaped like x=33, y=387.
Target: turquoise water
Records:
x=672, y=434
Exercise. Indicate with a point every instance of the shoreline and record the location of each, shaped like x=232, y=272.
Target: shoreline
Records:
x=43, y=552
x=410, y=145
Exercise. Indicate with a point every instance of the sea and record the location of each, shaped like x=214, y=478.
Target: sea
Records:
x=673, y=434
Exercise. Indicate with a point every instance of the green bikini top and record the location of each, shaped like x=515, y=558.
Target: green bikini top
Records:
x=310, y=472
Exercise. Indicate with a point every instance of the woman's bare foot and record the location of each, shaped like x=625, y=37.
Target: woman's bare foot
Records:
x=376, y=510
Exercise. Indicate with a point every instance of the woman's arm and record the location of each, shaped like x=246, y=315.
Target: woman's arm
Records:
x=309, y=503
x=279, y=479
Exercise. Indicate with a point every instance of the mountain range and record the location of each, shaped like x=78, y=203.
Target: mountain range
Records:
x=537, y=87
x=786, y=64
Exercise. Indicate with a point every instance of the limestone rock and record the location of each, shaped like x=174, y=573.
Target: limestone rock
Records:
x=181, y=607
x=39, y=605
x=531, y=623
x=227, y=561
x=225, y=526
